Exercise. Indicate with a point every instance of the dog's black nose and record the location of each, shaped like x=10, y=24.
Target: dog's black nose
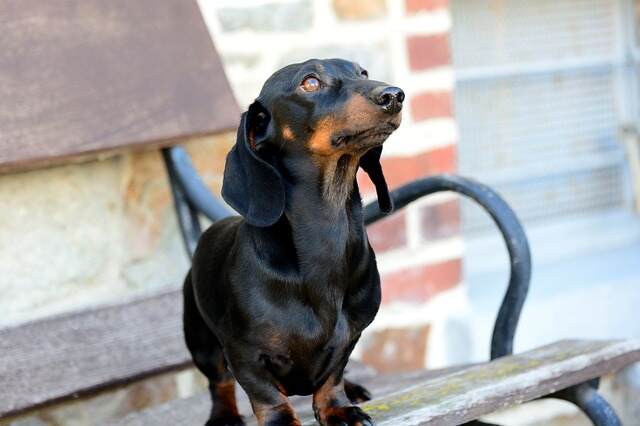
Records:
x=389, y=98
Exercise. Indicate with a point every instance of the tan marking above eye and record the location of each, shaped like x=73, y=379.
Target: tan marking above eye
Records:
x=287, y=133
x=310, y=84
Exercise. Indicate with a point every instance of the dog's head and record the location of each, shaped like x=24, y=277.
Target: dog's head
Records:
x=325, y=110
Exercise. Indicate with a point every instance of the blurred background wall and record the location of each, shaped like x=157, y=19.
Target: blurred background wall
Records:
x=547, y=105
x=538, y=99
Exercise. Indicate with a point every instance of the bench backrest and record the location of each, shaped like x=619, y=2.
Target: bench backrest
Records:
x=80, y=77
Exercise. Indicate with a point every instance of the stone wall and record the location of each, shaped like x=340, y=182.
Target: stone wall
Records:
x=97, y=232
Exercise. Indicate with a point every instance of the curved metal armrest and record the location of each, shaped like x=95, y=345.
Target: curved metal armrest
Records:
x=512, y=233
x=191, y=196
x=198, y=194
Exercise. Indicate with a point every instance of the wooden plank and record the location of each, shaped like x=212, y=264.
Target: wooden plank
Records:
x=482, y=389
x=72, y=355
x=447, y=397
x=195, y=410
x=78, y=77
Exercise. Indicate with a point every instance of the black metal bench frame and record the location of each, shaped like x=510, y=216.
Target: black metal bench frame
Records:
x=193, y=198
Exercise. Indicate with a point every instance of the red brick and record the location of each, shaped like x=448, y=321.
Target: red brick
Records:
x=440, y=220
x=413, y=6
x=389, y=233
x=401, y=170
x=428, y=51
x=422, y=282
x=364, y=184
x=396, y=350
x=431, y=105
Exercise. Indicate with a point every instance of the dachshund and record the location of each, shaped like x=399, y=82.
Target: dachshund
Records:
x=277, y=297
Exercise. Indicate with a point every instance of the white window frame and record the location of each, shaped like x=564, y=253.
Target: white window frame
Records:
x=608, y=229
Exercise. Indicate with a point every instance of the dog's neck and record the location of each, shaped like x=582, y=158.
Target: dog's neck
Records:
x=337, y=177
x=324, y=210
x=323, y=236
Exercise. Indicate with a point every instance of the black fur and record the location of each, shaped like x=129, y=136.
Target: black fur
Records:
x=277, y=299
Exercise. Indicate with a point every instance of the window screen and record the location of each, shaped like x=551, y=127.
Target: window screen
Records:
x=538, y=105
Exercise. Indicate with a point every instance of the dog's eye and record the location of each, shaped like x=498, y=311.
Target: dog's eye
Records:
x=310, y=84
x=364, y=73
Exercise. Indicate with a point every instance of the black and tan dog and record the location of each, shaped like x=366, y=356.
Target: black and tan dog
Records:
x=277, y=299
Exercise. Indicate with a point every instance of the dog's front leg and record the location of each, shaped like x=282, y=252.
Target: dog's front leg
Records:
x=270, y=405
x=332, y=407
x=278, y=414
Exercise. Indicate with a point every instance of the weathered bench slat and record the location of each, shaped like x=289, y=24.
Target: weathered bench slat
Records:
x=79, y=77
x=57, y=357
x=194, y=410
x=482, y=389
x=448, y=397
x=73, y=355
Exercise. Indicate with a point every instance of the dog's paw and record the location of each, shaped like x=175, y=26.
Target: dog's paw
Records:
x=226, y=421
x=345, y=416
x=356, y=393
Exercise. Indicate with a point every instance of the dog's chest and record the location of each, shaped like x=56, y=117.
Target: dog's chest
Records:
x=302, y=357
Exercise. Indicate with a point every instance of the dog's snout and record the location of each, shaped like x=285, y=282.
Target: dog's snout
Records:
x=390, y=98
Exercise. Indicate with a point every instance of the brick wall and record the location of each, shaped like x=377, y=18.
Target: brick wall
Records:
x=405, y=42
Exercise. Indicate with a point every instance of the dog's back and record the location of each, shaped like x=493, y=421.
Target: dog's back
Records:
x=215, y=246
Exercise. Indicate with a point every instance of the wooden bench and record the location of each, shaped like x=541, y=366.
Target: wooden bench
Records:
x=168, y=84
x=446, y=397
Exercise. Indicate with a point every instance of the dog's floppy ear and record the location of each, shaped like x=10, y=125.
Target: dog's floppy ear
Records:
x=370, y=163
x=252, y=185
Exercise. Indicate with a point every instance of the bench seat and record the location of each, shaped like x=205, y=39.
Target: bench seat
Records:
x=81, y=353
x=449, y=396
